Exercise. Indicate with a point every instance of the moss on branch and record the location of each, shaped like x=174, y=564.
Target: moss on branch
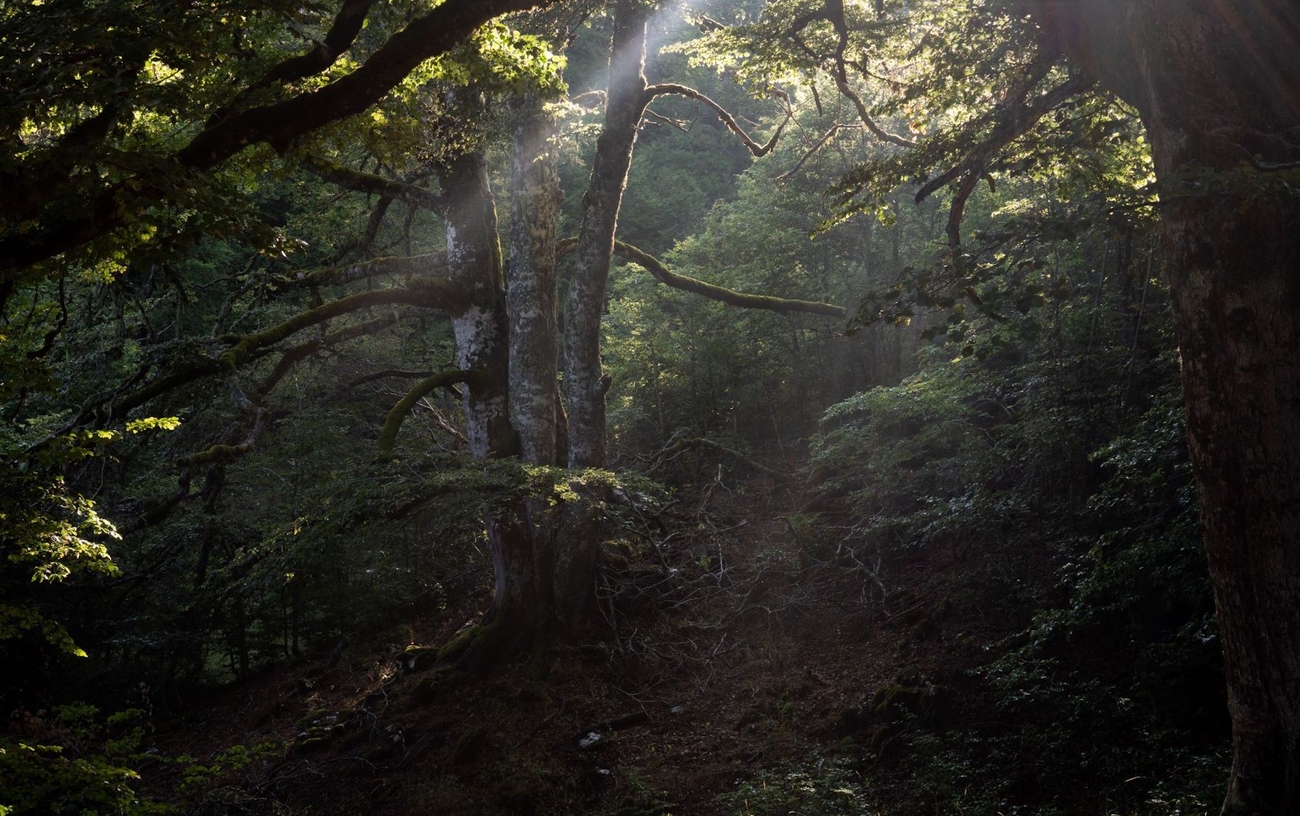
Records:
x=712, y=291
x=393, y=422
x=409, y=265
x=434, y=293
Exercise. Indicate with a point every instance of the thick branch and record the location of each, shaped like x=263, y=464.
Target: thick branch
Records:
x=759, y=150
x=429, y=35
x=365, y=270
x=220, y=454
x=302, y=351
x=347, y=25
x=393, y=422
x=433, y=293
x=374, y=184
x=712, y=291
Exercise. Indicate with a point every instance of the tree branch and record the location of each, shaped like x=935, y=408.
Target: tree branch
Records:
x=347, y=25
x=427, y=36
x=818, y=145
x=430, y=35
x=393, y=422
x=302, y=351
x=1014, y=121
x=434, y=293
x=712, y=291
x=374, y=184
x=758, y=150
x=841, y=82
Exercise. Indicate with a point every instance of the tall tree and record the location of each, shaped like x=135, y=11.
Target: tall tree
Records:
x=1217, y=86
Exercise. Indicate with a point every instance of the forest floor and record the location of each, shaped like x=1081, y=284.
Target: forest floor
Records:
x=751, y=662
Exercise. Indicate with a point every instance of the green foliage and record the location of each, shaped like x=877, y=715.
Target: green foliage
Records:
x=210, y=787
x=74, y=763
x=47, y=533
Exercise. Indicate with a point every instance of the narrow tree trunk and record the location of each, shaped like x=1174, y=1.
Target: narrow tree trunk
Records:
x=1218, y=88
x=584, y=381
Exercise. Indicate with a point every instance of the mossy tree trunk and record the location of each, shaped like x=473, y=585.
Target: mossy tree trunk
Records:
x=543, y=563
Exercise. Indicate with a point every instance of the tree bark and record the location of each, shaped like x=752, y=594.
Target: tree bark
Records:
x=480, y=323
x=626, y=101
x=1218, y=89
x=531, y=292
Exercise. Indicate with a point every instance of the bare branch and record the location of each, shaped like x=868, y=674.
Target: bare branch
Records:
x=434, y=293
x=841, y=82
x=302, y=351
x=818, y=145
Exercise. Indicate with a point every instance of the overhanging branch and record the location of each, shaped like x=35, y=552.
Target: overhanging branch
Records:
x=343, y=32
x=430, y=35
x=758, y=150
x=291, y=357
x=434, y=293
x=712, y=291
x=373, y=184
x=1013, y=121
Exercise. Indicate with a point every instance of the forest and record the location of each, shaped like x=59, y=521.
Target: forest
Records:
x=650, y=407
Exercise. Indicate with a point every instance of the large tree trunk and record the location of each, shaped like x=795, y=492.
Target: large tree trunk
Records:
x=554, y=577
x=482, y=334
x=534, y=333
x=626, y=101
x=1218, y=88
x=480, y=326
x=543, y=557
